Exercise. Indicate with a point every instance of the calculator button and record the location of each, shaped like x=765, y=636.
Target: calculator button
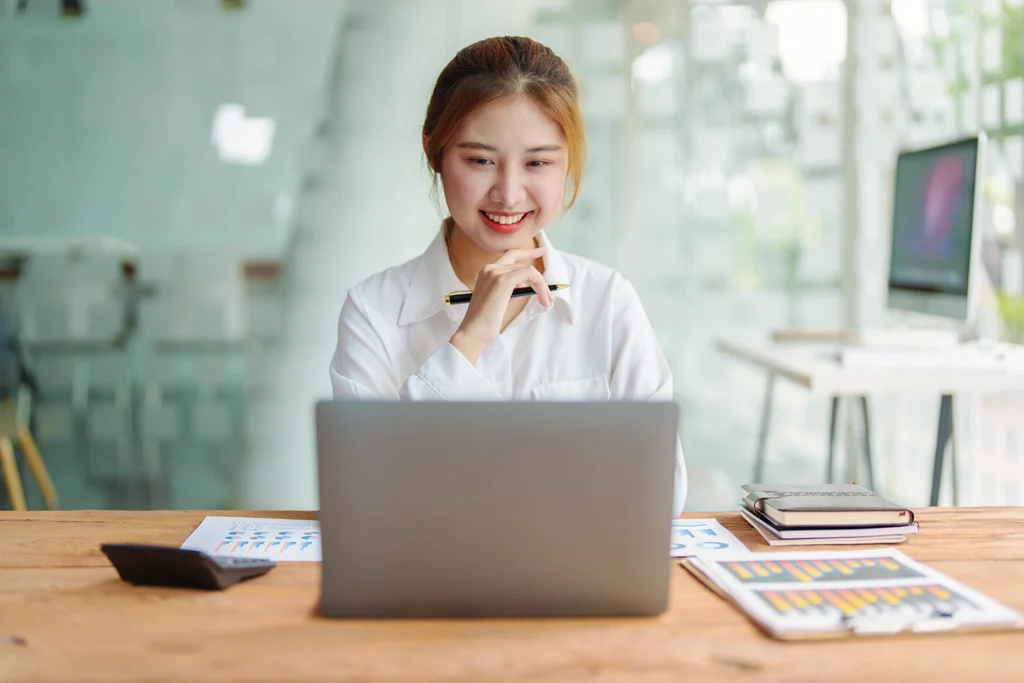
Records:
x=239, y=561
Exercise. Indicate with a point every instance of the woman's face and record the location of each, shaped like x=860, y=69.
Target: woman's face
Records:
x=504, y=174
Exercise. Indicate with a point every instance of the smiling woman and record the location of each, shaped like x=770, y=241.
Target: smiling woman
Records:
x=504, y=134
x=497, y=77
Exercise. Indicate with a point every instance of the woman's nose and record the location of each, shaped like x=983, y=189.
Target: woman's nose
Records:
x=508, y=188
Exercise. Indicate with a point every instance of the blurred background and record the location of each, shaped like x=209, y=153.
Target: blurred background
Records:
x=189, y=188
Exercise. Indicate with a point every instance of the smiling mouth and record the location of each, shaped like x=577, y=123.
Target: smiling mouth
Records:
x=505, y=221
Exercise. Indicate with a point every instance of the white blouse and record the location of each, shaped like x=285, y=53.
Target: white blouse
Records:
x=594, y=343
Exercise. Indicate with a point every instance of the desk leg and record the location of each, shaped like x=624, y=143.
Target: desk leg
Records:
x=832, y=418
x=941, y=441
x=953, y=469
x=762, y=437
x=867, y=442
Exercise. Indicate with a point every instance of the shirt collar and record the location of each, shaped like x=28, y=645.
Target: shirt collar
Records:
x=433, y=277
x=556, y=272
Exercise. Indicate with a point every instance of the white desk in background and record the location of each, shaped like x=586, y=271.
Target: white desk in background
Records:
x=809, y=366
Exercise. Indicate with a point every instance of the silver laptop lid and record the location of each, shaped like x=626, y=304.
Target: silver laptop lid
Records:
x=495, y=508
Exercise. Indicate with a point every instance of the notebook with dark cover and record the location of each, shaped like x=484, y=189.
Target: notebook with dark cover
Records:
x=824, y=505
x=830, y=532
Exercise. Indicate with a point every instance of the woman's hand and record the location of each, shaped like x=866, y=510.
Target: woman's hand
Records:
x=491, y=297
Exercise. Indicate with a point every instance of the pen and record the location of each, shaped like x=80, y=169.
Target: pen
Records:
x=463, y=297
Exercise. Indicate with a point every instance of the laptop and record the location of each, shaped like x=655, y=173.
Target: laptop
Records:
x=495, y=509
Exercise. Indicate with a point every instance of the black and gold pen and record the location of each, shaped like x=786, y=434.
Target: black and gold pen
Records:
x=463, y=296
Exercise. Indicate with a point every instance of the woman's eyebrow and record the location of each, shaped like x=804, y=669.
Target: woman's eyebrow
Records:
x=472, y=144
x=476, y=145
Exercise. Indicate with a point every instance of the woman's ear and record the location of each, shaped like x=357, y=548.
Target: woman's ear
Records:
x=426, y=152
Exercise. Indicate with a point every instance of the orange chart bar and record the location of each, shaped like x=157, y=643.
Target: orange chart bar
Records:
x=809, y=568
x=850, y=602
x=819, y=570
x=740, y=570
x=795, y=571
x=841, y=566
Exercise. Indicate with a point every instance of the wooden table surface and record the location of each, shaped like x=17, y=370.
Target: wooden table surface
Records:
x=65, y=615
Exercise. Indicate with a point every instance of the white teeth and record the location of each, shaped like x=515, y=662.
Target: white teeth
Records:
x=505, y=220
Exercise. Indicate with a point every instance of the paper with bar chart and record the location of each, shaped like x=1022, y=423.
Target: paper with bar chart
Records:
x=820, y=570
x=692, y=536
x=298, y=540
x=865, y=591
x=282, y=540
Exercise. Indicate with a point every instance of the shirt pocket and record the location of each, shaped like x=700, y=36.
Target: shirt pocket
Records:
x=590, y=389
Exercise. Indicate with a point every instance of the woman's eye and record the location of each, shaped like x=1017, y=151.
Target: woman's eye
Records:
x=537, y=163
x=480, y=162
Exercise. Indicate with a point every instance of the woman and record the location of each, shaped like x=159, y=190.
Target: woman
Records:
x=504, y=132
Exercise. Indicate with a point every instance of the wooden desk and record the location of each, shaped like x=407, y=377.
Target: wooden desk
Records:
x=65, y=615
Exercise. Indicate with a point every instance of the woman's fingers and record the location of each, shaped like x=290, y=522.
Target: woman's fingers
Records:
x=528, y=276
x=491, y=295
x=515, y=276
x=519, y=256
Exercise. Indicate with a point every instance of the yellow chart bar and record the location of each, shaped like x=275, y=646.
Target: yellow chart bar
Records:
x=890, y=598
x=940, y=592
x=809, y=568
x=825, y=569
x=813, y=597
x=740, y=570
x=889, y=564
x=773, y=568
x=867, y=596
x=841, y=566
x=758, y=568
x=838, y=602
x=792, y=569
x=852, y=598
x=796, y=599
x=868, y=563
x=776, y=600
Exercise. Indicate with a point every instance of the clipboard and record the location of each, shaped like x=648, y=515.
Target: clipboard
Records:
x=878, y=593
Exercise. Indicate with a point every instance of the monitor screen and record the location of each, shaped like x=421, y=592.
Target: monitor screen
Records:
x=933, y=220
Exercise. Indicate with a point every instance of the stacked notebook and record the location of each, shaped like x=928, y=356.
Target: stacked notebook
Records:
x=825, y=514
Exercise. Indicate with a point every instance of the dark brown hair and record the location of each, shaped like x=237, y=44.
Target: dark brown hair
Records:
x=497, y=69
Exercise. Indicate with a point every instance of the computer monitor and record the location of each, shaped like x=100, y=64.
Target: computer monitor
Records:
x=935, y=230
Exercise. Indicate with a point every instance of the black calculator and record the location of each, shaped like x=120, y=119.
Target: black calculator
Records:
x=157, y=565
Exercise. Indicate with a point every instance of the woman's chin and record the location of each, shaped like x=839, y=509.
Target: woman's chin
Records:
x=499, y=243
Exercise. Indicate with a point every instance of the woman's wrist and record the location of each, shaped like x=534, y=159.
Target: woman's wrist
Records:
x=467, y=345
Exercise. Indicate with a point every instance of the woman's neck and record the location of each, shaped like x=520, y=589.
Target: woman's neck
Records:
x=467, y=258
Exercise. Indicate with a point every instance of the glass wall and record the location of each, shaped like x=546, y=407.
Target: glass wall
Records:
x=193, y=186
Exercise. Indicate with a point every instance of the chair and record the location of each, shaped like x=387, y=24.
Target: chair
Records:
x=69, y=316
x=14, y=418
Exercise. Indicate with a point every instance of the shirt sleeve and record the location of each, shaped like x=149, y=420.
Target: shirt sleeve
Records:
x=639, y=369
x=362, y=368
